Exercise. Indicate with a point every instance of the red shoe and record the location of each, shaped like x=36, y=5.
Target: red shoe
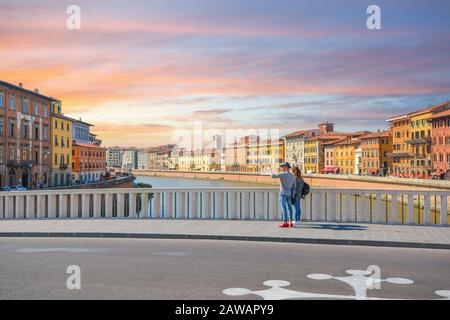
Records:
x=291, y=225
x=284, y=225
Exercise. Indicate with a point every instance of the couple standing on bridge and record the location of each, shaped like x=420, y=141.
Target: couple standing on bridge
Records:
x=292, y=189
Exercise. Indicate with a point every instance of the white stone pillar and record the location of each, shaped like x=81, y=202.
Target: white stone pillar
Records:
x=85, y=206
x=97, y=205
x=132, y=206
x=156, y=207
x=426, y=209
x=410, y=208
x=444, y=215
x=394, y=207
x=73, y=198
x=108, y=205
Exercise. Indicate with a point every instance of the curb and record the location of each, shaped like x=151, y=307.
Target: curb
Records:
x=110, y=235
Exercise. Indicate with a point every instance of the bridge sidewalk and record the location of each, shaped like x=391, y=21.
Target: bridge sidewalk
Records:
x=309, y=232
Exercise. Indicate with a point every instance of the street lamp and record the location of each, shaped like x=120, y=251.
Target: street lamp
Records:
x=81, y=166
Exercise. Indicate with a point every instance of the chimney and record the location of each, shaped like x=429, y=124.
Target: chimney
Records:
x=326, y=127
x=36, y=90
x=20, y=84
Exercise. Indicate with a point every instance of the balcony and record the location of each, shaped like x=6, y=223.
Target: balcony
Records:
x=20, y=163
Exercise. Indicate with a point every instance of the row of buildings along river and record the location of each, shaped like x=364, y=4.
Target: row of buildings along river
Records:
x=40, y=147
x=415, y=144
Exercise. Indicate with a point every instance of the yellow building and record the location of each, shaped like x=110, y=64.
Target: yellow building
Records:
x=61, y=148
x=420, y=143
x=315, y=150
x=345, y=155
x=200, y=160
x=411, y=142
x=265, y=156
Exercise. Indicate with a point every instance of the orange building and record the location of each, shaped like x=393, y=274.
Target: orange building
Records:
x=88, y=162
x=440, y=145
x=375, y=150
x=411, y=140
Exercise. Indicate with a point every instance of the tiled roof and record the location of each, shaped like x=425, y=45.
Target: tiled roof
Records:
x=347, y=142
x=86, y=145
x=7, y=84
x=380, y=134
x=441, y=114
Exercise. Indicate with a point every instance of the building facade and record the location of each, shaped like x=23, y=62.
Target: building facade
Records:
x=61, y=148
x=236, y=154
x=295, y=146
x=345, y=155
x=143, y=159
x=401, y=156
x=200, y=160
x=329, y=157
x=375, y=149
x=160, y=157
x=88, y=162
x=411, y=140
x=25, y=157
x=440, y=143
x=265, y=156
x=114, y=157
x=315, y=150
x=130, y=159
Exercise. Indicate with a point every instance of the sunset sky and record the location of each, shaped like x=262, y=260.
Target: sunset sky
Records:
x=139, y=70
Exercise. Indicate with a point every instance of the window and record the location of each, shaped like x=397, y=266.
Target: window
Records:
x=1, y=125
x=56, y=124
x=25, y=130
x=24, y=105
x=1, y=99
x=56, y=158
x=36, y=109
x=45, y=133
x=11, y=129
x=45, y=111
x=11, y=102
x=36, y=132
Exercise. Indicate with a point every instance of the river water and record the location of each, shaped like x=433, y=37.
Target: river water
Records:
x=168, y=182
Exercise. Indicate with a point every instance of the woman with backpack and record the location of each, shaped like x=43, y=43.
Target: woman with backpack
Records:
x=299, y=194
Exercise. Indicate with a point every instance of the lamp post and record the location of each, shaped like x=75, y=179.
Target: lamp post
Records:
x=81, y=166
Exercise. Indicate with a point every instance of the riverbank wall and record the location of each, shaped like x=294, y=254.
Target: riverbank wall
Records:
x=122, y=182
x=316, y=180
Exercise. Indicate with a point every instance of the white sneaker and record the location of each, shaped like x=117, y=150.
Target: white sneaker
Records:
x=296, y=223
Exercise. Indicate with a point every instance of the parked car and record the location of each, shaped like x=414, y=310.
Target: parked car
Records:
x=19, y=188
x=5, y=189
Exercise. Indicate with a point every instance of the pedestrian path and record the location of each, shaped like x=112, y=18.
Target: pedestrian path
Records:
x=309, y=232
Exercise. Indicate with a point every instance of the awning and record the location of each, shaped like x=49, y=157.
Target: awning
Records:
x=398, y=155
x=327, y=169
x=373, y=170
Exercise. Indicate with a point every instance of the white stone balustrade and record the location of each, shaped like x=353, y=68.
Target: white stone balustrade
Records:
x=322, y=204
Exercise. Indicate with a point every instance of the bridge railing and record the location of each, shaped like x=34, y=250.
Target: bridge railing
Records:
x=322, y=204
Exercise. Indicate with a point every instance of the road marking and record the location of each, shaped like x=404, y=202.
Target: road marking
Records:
x=359, y=280
x=71, y=250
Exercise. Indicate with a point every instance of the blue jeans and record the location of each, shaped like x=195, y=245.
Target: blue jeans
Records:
x=286, y=206
x=298, y=208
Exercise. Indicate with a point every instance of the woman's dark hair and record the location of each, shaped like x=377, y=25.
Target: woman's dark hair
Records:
x=297, y=172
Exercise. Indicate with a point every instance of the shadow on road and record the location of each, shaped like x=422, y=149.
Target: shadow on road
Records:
x=337, y=227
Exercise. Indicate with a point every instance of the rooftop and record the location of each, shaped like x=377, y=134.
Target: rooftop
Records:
x=18, y=87
x=379, y=134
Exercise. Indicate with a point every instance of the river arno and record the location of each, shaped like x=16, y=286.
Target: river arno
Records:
x=167, y=182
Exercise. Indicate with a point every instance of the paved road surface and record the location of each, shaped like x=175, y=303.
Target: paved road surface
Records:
x=35, y=268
